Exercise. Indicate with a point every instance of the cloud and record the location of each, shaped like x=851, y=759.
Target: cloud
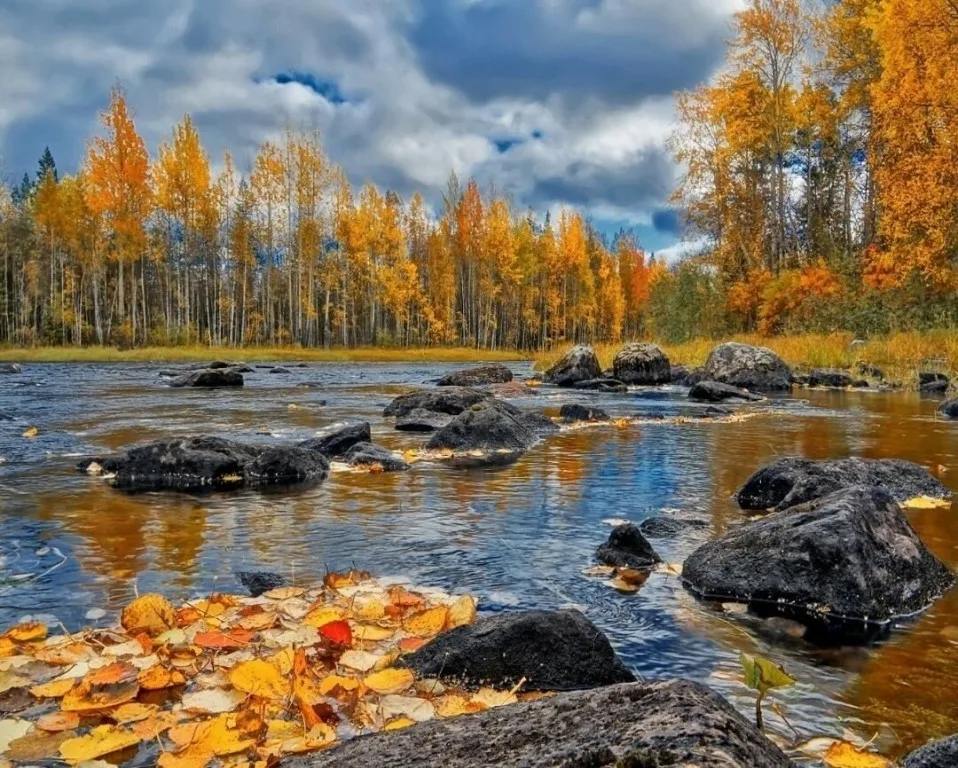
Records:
x=552, y=102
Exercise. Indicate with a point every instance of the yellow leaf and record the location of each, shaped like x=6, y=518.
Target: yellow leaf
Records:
x=412, y=707
x=454, y=705
x=427, y=623
x=488, y=698
x=398, y=723
x=31, y=432
x=133, y=712
x=841, y=754
x=926, y=502
x=10, y=680
x=259, y=678
x=53, y=690
x=462, y=612
x=391, y=680
x=372, y=632
x=151, y=614
x=102, y=740
x=330, y=683
x=324, y=615
x=28, y=633
x=284, y=593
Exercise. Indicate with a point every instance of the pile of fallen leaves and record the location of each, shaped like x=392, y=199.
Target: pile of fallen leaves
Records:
x=238, y=680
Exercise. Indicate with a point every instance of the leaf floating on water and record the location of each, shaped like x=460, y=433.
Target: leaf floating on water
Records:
x=761, y=674
x=842, y=754
x=29, y=632
x=926, y=502
x=102, y=740
x=31, y=432
x=621, y=585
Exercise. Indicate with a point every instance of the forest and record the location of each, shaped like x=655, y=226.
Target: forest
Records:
x=819, y=181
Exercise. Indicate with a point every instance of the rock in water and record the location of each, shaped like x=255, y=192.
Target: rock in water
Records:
x=209, y=378
x=572, y=412
x=931, y=383
x=488, y=426
x=605, y=384
x=716, y=392
x=754, y=368
x=450, y=400
x=552, y=650
x=627, y=547
x=419, y=420
x=936, y=754
x=578, y=364
x=792, y=480
x=476, y=377
x=661, y=527
x=642, y=364
x=849, y=561
x=258, y=582
x=830, y=377
x=10, y=368
x=367, y=454
x=949, y=409
x=286, y=466
x=637, y=725
x=336, y=440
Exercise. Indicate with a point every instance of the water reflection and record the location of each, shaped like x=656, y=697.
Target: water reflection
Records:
x=517, y=536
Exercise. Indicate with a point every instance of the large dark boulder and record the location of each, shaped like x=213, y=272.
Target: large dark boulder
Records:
x=578, y=364
x=492, y=425
x=717, y=392
x=949, y=409
x=636, y=725
x=286, y=465
x=642, y=364
x=336, y=440
x=375, y=456
x=849, y=561
x=942, y=753
x=794, y=480
x=573, y=412
x=421, y=420
x=192, y=463
x=748, y=367
x=551, y=650
x=10, y=368
x=627, y=547
x=209, y=378
x=605, y=384
x=476, y=377
x=933, y=383
x=450, y=400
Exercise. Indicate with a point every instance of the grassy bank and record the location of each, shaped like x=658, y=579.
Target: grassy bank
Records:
x=900, y=355
x=251, y=354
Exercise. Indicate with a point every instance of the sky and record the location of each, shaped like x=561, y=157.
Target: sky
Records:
x=551, y=102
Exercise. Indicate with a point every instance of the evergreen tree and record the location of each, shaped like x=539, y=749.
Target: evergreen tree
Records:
x=21, y=194
x=46, y=163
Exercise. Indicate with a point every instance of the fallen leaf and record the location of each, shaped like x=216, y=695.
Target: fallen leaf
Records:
x=361, y=661
x=621, y=585
x=159, y=677
x=102, y=740
x=489, y=697
x=329, y=684
x=27, y=632
x=284, y=593
x=213, y=702
x=31, y=432
x=11, y=729
x=53, y=690
x=371, y=632
x=259, y=678
x=133, y=712
x=150, y=613
x=427, y=623
x=36, y=746
x=58, y=721
x=462, y=612
x=10, y=680
x=926, y=502
x=337, y=632
x=390, y=680
x=235, y=638
x=841, y=754
x=398, y=723
x=412, y=707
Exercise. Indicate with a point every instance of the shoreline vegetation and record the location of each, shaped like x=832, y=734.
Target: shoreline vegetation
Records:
x=901, y=355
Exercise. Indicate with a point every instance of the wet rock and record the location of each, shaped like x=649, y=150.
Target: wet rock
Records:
x=209, y=378
x=241, y=368
x=636, y=725
x=830, y=377
x=793, y=480
x=552, y=650
x=491, y=425
x=642, y=364
x=867, y=369
x=932, y=383
x=627, y=547
x=450, y=400
x=216, y=364
x=539, y=423
x=849, y=561
x=279, y=369
x=370, y=455
x=942, y=753
x=578, y=364
x=476, y=377
x=604, y=384
x=10, y=368
x=754, y=368
x=336, y=440
x=573, y=412
x=716, y=392
x=258, y=582
x=678, y=373
x=714, y=412
x=421, y=420
x=286, y=465
x=662, y=527
x=949, y=409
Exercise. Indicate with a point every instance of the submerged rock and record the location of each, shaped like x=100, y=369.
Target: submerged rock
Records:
x=942, y=753
x=370, y=455
x=279, y=369
x=551, y=650
x=849, y=561
x=258, y=582
x=748, y=367
x=492, y=425
x=636, y=725
x=10, y=368
x=661, y=527
x=716, y=392
x=336, y=440
x=931, y=383
x=286, y=465
x=627, y=547
x=642, y=364
x=604, y=384
x=449, y=400
x=209, y=378
x=572, y=412
x=421, y=420
x=578, y=364
x=793, y=480
x=949, y=409
x=476, y=377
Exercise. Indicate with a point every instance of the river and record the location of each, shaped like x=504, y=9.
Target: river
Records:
x=517, y=537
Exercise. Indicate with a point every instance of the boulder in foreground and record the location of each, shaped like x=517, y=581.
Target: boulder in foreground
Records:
x=375, y=456
x=336, y=440
x=848, y=561
x=551, y=650
x=420, y=420
x=627, y=547
x=209, y=378
x=755, y=368
x=286, y=465
x=493, y=425
x=793, y=480
x=717, y=392
x=578, y=364
x=476, y=377
x=942, y=753
x=933, y=382
x=949, y=409
x=449, y=400
x=638, y=363
x=637, y=725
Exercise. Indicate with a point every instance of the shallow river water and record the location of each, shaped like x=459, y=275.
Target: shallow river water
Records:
x=517, y=537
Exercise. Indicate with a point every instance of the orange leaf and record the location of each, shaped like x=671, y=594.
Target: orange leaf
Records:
x=151, y=614
x=427, y=623
x=235, y=638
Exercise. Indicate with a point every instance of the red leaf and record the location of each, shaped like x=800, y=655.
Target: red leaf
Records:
x=337, y=632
